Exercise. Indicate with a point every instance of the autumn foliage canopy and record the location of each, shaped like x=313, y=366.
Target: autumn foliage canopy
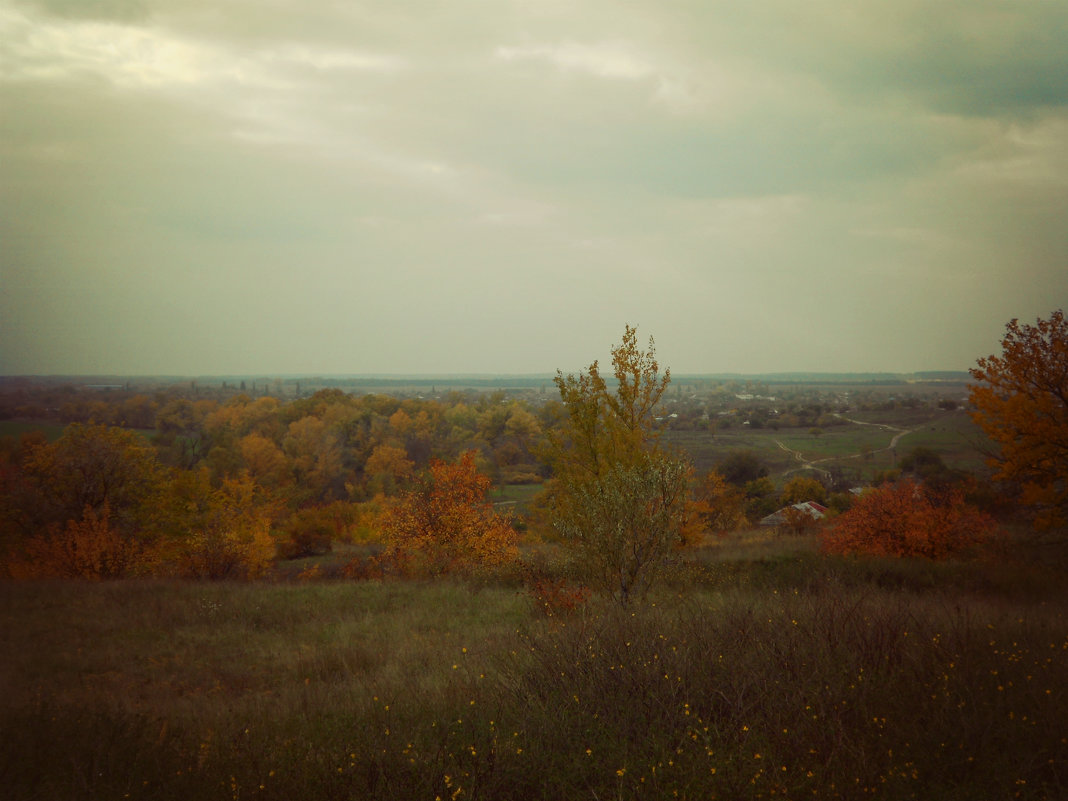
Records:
x=445, y=523
x=908, y=519
x=1022, y=406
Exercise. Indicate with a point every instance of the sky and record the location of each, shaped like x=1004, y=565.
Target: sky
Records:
x=311, y=187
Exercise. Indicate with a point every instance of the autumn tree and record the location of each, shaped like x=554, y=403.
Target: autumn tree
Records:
x=618, y=497
x=92, y=467
x=1021, y=403
x=388, y=469
x=908, y=519
x=85, y=548
x=717, y=504
x=445, y=524
x=803, y=488
x=216, y=532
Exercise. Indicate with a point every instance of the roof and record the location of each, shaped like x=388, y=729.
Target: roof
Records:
x=815, y=510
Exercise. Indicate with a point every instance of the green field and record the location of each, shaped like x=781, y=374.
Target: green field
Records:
x=863, y=449
x=761, y=670
x=16, y=428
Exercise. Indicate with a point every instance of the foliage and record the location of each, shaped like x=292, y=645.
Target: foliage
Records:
x=1022, y=405
x=717, y=504
x=447, y=523
x=308, y=533
x=803, y=488
x=798, y=521
x=557, y=596
x=922, y=462
x=229, y=535
x=625, y=523
x=91, y=467
x=742, y=466
x=88, y=548
x=908, y=519
x=619, y=499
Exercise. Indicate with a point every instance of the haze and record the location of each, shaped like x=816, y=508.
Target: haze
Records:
x=238, y=187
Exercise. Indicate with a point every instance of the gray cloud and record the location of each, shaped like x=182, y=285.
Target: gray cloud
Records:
x=362, y=187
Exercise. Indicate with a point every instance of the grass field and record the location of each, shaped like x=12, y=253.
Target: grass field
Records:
x=860, y=449
x=760, y=670
x=16, y=428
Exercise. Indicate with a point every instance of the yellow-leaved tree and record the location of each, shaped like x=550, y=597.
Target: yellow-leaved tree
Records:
x=618, y=497
x=1021, y=403
x=445, y=524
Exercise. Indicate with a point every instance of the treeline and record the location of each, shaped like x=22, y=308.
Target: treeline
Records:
x=220, y=484
x=223, y=480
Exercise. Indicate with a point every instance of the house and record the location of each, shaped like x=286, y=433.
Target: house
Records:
x=814, y=510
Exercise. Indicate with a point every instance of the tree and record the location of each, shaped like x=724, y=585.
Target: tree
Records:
x=1022, y=406
x=741, y=467
x=88, y=548
x=93, y=467
x=803, y=488
x=908, y=519
x=618, y=498
x=446, y=524
x=717, y=504
x=216, y=533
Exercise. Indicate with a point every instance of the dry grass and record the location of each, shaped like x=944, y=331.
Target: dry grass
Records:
x=762, y=670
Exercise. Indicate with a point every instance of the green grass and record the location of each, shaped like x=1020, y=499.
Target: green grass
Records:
x=16, y=428
x=51, y=430
x=761, y=669
x=952, y=435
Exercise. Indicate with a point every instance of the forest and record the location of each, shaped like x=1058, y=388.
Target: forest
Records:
x=560, y=587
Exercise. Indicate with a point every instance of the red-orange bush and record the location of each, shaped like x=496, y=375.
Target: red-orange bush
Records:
x=557, y=597
x=908, y=519
x=89, y=548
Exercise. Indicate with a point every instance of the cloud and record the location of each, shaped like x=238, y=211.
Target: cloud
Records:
x=604, y=59
x=765, y=185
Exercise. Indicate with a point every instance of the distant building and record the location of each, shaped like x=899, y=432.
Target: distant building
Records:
x=815, y=510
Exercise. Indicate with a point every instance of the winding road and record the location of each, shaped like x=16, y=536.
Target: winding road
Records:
x=810, y=464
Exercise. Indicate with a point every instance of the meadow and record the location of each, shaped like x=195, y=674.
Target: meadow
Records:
x=861, y=450
x=759, y=669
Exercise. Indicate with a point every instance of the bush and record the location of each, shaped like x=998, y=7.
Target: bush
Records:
x=909, y=519
x=89, y=548
x=308, y=535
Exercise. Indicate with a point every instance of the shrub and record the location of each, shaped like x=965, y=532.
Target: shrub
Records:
x=557, y=597
x=88, y=548
x=309, y=534
x=908, y=519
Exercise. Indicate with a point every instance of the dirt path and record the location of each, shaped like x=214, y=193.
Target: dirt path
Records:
x=805, y=463
x=810, y=464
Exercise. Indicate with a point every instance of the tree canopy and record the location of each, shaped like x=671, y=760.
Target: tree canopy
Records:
x=1021, y=403
x=619, y=498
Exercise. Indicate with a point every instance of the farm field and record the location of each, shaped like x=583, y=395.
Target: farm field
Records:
x=862, y=450
x=761, y=670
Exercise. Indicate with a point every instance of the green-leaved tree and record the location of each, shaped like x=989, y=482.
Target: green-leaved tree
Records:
x=619, y=498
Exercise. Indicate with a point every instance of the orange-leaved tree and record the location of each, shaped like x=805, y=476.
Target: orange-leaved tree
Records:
x=718, y=505
x=1022, y=405
x=908, y=519
x=445, y=524
x=87, y=548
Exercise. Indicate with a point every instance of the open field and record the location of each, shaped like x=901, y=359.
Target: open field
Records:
x=761, y=670
x=857, y=448
x=16, y=428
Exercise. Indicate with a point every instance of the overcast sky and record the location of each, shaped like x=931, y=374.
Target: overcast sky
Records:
x=205, y=187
